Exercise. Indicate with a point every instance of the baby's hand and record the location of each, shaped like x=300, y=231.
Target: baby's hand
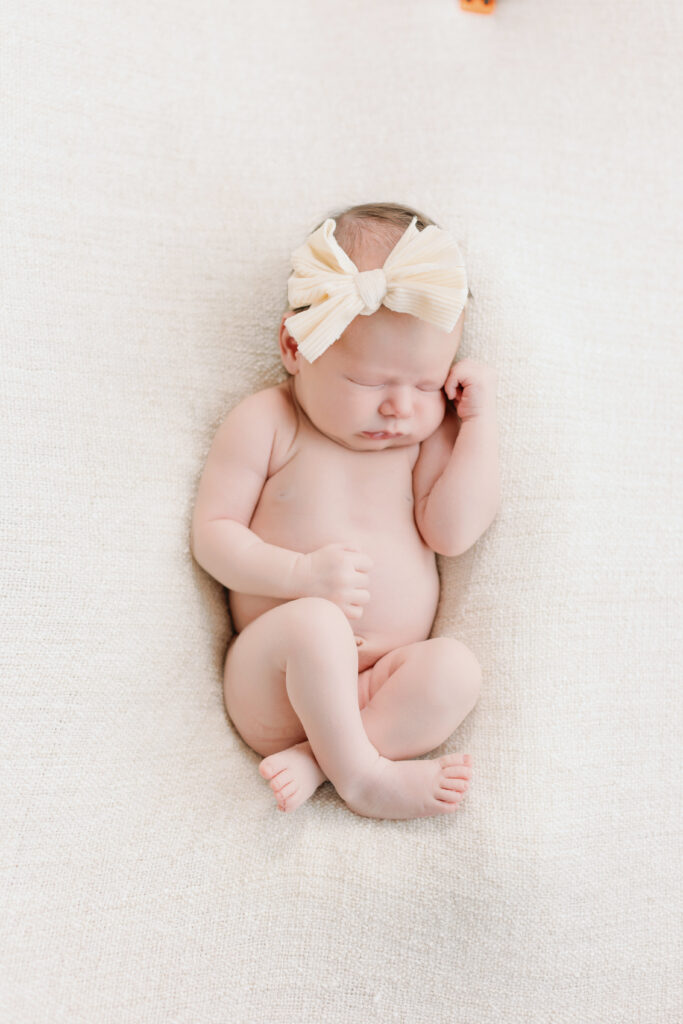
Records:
x=339, y=573
x=471, y=386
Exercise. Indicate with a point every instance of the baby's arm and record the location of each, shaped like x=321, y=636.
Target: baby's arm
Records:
x=456, y=479
x=222, y=543
x=233, y=478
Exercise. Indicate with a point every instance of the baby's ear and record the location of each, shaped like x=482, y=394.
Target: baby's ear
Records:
x=289, y=350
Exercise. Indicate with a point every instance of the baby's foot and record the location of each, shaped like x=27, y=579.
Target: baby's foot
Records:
x=294, y=774
x=412, y=789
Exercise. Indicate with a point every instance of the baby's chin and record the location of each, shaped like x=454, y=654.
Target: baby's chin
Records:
x=359, y=443
x=364, y=443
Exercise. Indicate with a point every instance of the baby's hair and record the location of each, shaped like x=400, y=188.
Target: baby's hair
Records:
x=377, y=219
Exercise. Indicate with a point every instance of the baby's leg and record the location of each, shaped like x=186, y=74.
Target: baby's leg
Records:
x=415, y=697
x=310, y=642
x=411, y=700
x=292, y=673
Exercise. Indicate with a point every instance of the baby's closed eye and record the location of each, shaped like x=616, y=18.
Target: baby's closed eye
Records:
x=362, y=384
x=420, y=387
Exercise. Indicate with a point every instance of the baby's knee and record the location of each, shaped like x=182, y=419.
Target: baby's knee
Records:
x=455, y=670
x=318, y=620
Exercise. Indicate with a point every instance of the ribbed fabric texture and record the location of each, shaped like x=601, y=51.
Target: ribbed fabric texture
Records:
x=423, y=275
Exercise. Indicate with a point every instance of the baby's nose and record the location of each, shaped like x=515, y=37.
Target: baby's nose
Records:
x=399, y=403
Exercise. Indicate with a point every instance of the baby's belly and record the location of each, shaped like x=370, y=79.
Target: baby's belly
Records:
x=403, y=585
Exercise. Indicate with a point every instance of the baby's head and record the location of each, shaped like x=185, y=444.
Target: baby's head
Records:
x=384, y=375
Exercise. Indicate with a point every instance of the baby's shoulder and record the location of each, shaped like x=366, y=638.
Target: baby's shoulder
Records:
x=272, y=405
x=270, y=413
x=288, y=423
x=277, y=403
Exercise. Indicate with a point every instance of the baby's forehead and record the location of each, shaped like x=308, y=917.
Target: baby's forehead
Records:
x=397, y=365
x=390, y=342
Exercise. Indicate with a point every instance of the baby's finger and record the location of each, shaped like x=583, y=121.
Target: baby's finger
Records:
x=352, y=611
x=450, y=383
x=361, y=596
x=362, y=562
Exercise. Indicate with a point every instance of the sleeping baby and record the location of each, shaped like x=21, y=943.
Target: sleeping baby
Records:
x=322, y=505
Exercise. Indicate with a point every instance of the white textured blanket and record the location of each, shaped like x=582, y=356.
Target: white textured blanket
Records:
x=159, y=161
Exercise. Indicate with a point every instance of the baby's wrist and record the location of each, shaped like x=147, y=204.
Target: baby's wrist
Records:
x=300, y=575
x=485, y=414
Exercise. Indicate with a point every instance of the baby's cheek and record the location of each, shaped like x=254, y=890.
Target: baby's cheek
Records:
x=431, y=415
x=438, y=408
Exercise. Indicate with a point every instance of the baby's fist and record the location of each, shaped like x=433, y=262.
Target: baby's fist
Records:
x=471, y=386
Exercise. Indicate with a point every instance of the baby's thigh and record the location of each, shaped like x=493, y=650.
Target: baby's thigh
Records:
x=441, y=668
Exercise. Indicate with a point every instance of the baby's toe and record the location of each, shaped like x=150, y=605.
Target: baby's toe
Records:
x=289, y=797
x=453, y=778
x=449, y=759
x=270, y=766
x=448, y=798
x=452, y=767
x=457, y=784
x=283, y=787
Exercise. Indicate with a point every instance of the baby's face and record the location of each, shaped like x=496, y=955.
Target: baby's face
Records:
x=380, y=384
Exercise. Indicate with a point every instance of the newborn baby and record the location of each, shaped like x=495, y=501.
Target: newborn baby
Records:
x=322, y=504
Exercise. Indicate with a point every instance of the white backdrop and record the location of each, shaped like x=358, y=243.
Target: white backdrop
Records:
x=159, y=162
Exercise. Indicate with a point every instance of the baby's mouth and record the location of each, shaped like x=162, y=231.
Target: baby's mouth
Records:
x=380, y=435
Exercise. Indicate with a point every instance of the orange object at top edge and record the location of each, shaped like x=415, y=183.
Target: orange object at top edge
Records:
x=478, y=6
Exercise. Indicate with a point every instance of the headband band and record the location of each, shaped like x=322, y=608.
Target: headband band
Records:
x=424, y=274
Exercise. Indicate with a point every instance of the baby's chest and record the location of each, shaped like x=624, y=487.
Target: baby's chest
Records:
x=324, y=487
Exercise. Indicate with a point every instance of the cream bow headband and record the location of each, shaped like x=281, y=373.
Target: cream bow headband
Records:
x=424, y=274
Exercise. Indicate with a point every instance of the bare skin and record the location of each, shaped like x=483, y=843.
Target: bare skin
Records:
x=326, y=538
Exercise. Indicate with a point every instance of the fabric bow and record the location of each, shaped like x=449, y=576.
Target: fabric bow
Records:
x=424, y=274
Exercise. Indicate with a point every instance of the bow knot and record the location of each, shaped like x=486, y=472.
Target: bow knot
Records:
x=372, y=287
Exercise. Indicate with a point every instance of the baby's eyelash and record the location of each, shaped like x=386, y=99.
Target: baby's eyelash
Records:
x=361, y=385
